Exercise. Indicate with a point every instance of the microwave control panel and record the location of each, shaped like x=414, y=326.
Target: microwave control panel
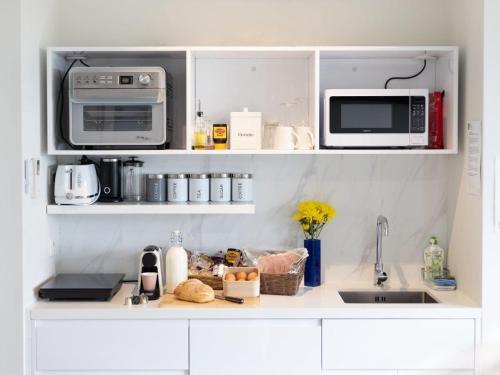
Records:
x=417, y=114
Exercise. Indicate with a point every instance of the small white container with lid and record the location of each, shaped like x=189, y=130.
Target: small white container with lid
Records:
x=177, y=187
x=245, y=130
x=242, y=187
x=220, y=187
x=199, y=187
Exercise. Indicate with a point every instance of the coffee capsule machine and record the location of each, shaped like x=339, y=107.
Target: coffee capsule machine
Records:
x=150, y=262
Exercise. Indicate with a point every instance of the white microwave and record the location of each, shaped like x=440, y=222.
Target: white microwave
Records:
x=355, y=118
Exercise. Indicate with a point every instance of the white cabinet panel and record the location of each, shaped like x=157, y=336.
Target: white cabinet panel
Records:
x=251, y=347
x=411, y=344
x=111, y=345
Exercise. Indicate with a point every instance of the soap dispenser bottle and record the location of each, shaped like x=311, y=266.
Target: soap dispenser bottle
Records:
x=176, y=263
x=433, y=259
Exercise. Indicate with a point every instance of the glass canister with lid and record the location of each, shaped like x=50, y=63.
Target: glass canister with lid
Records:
x=220, y=187
x=177, y=187
x=133, y=183
x=199, y=187
x=242, y=187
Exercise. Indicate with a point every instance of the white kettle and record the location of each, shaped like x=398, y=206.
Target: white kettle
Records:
x=76, y=184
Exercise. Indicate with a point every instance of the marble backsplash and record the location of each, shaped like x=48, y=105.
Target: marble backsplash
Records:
x=410, y=190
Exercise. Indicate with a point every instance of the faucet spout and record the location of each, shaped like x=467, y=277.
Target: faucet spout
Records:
x=382, y=230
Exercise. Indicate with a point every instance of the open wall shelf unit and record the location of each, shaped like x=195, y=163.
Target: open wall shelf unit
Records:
x=227, y=79
x=145, y=208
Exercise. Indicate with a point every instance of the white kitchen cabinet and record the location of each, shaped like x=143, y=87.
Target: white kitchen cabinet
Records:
x=103, y=345
x=400, y=344
x=250, y=347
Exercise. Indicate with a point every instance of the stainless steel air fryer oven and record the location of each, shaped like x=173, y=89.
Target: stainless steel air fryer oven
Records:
x=117, y=106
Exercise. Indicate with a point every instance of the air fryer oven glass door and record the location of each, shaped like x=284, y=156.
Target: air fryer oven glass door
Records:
x=108, y=124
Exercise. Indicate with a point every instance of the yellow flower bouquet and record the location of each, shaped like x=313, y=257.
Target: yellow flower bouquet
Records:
x=313, y=216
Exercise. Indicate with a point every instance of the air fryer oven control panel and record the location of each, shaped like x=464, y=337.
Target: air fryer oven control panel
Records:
x=115, y=80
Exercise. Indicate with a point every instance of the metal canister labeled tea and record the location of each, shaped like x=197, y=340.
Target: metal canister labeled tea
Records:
x=199, y=187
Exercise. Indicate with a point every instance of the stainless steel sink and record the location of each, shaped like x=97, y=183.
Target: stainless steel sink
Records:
x=386, y=297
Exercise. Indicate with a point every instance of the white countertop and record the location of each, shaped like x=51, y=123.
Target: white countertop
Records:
x=312, y=303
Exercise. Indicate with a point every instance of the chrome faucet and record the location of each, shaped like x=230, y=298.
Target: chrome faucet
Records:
x=382, y=228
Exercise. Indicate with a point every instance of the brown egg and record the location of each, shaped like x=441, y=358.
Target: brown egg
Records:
x=241, y=276
x=230, y=277
x=252, y=276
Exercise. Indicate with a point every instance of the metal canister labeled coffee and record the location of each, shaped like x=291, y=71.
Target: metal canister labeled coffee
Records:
x=177, y=187
x=156, y=188
x=242, y=187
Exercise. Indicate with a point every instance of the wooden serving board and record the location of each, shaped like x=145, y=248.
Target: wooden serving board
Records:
x=170, y=301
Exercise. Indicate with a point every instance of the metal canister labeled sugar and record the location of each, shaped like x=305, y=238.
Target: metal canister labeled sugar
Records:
x=199, y=187
x=242, y=187
x=220, y=187
x=156, y=188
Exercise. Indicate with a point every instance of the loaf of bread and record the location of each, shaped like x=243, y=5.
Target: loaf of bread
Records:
x=194, y=290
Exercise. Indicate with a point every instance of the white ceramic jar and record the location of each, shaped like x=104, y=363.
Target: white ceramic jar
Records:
x=177, y=187
x=199, y=187
x=220, y=187
x=242, y=187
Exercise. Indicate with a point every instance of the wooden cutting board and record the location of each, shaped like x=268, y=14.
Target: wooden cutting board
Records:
x=170, y=301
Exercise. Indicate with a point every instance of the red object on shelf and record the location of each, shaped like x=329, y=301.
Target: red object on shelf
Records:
x=436, y=120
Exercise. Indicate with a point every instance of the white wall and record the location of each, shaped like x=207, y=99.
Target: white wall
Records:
x=491, y=239
x=256, y=22
x=465, y=216
x=38, y=32
x=11, y=313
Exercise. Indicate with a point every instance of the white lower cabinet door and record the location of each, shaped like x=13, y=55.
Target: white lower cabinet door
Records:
x=103, y=345
x=255, y=347
x=360, y=372
x=398, y=344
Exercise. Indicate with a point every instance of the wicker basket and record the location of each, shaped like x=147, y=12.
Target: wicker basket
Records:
x=214, y=282
x=285, y=284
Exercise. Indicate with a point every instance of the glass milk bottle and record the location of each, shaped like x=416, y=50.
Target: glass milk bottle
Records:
x=433, y=259
x=176, y=263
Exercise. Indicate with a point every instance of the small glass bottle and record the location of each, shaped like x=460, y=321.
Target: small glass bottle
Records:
x=433, y=259
x=200, y=130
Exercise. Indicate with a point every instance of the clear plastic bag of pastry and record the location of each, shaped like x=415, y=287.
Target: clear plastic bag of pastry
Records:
x=275, y=261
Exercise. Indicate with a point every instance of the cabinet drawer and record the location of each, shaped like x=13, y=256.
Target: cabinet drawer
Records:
x=405, y=344
x=255, y=347
x=111, y=345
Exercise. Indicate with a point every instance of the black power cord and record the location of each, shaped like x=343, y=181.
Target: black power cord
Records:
x=60, y=99
x=409, y=77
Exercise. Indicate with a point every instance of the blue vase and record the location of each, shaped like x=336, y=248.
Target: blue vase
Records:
x=312, y=273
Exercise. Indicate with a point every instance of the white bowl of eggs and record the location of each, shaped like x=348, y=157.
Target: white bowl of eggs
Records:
x=241, y=282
